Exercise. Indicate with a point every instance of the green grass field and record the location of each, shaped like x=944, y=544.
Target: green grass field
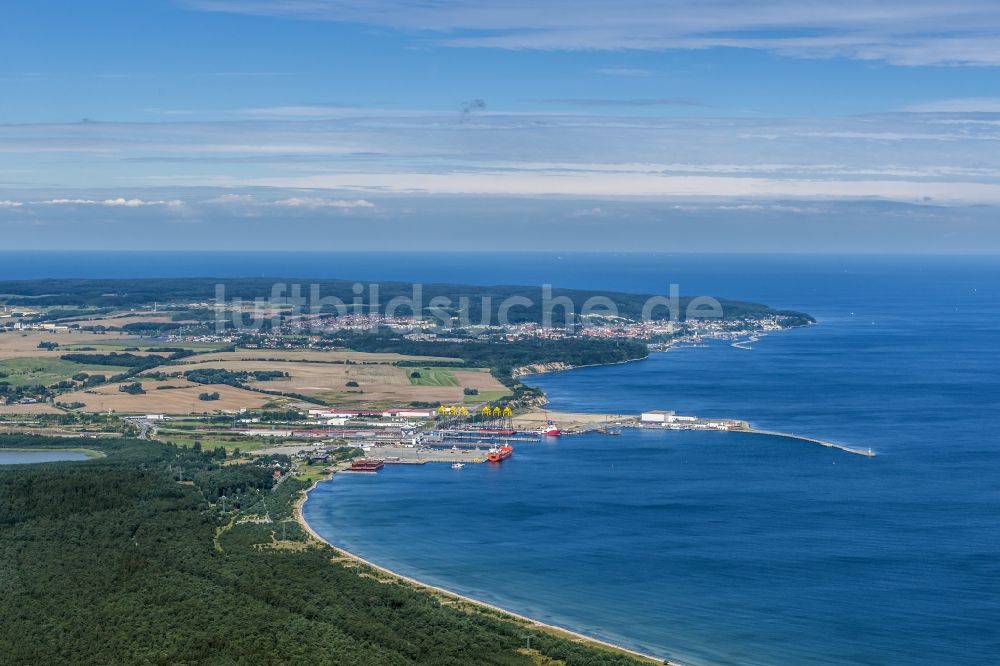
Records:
x=433, y=377
x=485, y=396
x=212, y=441
x=46, y=371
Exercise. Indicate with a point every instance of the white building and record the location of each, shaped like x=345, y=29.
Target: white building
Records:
x=409, y=413
x=333, y=413
x=657, y=416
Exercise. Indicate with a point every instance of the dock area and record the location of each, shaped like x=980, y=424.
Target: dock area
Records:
x=573, y=422
x=470, y=445
x=404, y=455
x=578, y=423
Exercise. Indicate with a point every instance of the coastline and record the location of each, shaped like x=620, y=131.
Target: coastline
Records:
x=517, y=374
x=545, y=368
x=454, y=596
x=559, y=366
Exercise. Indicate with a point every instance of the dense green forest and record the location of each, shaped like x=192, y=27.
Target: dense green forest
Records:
x=501, y=357
x=479, y=303
x=130, y=559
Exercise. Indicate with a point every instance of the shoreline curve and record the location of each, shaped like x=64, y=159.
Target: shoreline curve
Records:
x=543, y=626
x=517, y=374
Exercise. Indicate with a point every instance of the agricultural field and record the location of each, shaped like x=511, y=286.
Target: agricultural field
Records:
x=35, y=408
x=486, y=395
x=46, y=370
x=115, y=344
x=378, y=384
x=181, y=400
x=323, y=375
x=433, y=377
x=315, y=355
x=124, y=319
x=18, y=344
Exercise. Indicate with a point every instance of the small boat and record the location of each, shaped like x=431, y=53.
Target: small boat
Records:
x=499, y=453
x=458, y=465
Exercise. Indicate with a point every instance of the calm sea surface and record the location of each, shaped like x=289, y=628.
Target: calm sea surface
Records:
x=715, y=548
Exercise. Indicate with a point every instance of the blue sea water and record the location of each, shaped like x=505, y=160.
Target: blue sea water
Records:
x=714, y=548
x=720, y=548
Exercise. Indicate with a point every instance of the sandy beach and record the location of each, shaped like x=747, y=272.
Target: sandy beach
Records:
x=542, y=626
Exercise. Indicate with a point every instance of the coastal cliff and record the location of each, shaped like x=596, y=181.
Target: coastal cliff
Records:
x=539, y=368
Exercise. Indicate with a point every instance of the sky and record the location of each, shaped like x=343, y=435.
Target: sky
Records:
x=636, y=125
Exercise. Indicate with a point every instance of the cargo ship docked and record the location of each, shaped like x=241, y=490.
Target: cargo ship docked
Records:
x=499, y=453
x=366, y=465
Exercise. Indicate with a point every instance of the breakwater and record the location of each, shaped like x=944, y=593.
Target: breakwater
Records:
x=868, y=453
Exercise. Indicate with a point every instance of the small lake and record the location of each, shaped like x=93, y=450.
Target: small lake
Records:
x=20, y=457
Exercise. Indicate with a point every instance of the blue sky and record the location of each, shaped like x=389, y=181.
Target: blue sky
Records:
x=672, y=126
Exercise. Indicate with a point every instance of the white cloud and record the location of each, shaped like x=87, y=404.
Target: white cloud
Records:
x=299, y=202
x=587, y=185
x=589, y=212
x=316, y=203
x=903, y=32
x=231, y=198
x=134, y=203
x=7, y=203
x=115, y=202
x=964, y=105
x=340, y=165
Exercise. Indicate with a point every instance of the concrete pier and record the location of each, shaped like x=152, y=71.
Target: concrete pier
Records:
x=868, y=453
x=583, y=423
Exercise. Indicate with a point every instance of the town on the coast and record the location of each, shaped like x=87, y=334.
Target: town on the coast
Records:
x=386, y=387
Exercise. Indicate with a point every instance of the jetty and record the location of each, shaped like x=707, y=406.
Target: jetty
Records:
x=868, y=453
x=448, y=437
x=669, y=420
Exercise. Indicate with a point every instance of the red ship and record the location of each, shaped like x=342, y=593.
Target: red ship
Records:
x=550, y=429
x=497, y=454
x=366, y=465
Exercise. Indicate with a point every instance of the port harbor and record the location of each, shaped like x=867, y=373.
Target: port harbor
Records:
x=461, y=444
